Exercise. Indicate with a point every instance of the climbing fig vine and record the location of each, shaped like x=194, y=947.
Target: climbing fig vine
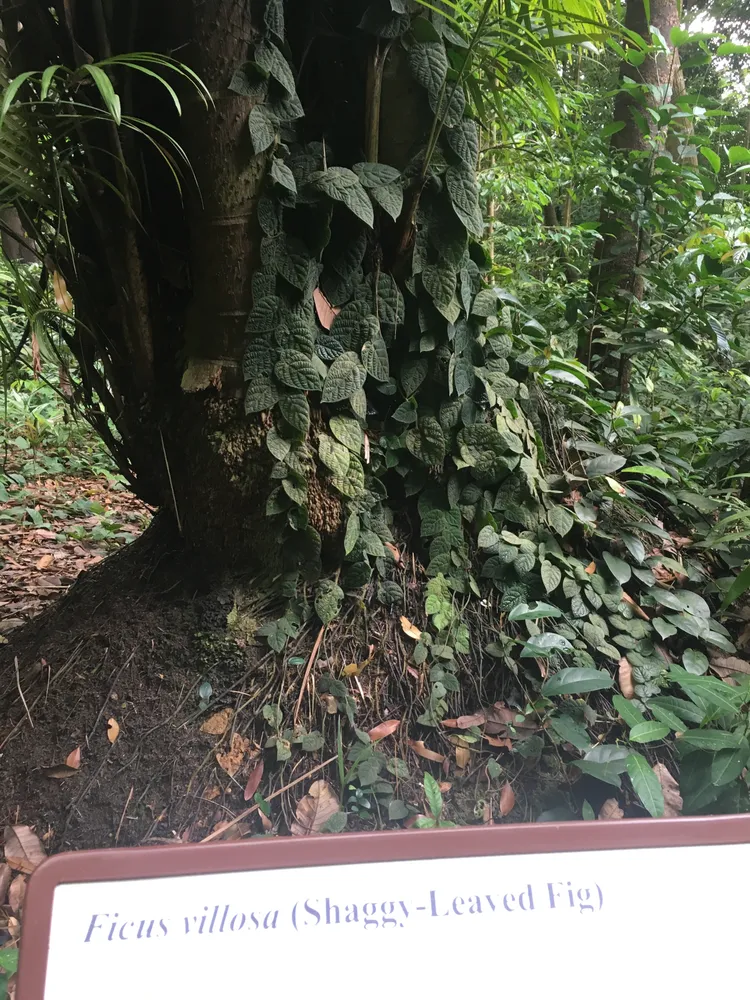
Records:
x=388, y=367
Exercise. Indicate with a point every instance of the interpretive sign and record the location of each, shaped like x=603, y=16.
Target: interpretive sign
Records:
x=606, y=907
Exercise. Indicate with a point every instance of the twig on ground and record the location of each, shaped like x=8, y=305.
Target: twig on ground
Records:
x=20, y=691
x=122, y=818
x=243, y=815
x=308, y=668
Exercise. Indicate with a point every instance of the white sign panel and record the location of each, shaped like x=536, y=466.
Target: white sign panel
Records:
x=608, y=923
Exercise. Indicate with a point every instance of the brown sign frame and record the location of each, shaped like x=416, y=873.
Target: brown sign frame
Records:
x=349, y=848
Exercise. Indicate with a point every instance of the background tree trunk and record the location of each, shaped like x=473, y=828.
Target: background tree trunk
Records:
x=624, y=242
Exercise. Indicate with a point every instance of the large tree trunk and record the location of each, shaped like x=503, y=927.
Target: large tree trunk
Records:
x=614, y=276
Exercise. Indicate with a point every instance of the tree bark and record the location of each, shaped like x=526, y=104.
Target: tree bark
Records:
x=624, y=243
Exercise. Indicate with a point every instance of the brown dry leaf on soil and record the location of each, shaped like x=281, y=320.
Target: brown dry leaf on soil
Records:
x=625, y=678
x=670, y=790
x=231, y=761
x=113, y=730
x=45, y=562
x=725, y=666
x=218, y=723
x=507, y=799
x=16, y=893
x=315, y=809
x=212, y=793
x=463, y=755
x=330, y=703
x=59, y=771
x=6, y=877
x=495, y=742
x=23, y=850
x=411, y=630
x=384, y=729
x=422, y=751
x=611, y=810
x=74, y=758
x=253, y=781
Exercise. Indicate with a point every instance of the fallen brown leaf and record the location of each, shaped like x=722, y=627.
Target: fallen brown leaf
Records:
x=45, y=562
x=315, y=809
x=231, y=761
x=6, y=877
x=507, y=799
x=23, y=850
x=670, y=790
x=59, y=771
x=625, y=678
x=422, y=751
x=494, y=742
x=384, y=729
x=212, y=793
x=113, y=730
x=218, y=723
x=74, y=758
x=591, y=568
x=411, y=630
x=463, y=755
x=253, y=781
x=445, y=786
x=611, y=810
x=394, y=551
x=326, y=312
x=16, y=893
x=265, y=822
x=636, y=607
x=724, y=666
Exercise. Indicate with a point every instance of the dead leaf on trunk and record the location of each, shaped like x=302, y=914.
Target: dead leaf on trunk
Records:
x=23, y=850
x=507, y=799
x=625, y=678
x=253, y=781
x=670, y=790
x=231, y=761
x=384, y=729
x=636, y=607
x=113, y=730
x=611, y=810
x=218, y=723
x=411, y=630
x=326, y=312
x=16, y=893
x=315, y=809
x=63, y=300
x=74, y=758
x=422, y=751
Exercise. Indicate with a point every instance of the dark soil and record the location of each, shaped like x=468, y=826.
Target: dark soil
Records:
x=141, y=634
x=133, y=640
